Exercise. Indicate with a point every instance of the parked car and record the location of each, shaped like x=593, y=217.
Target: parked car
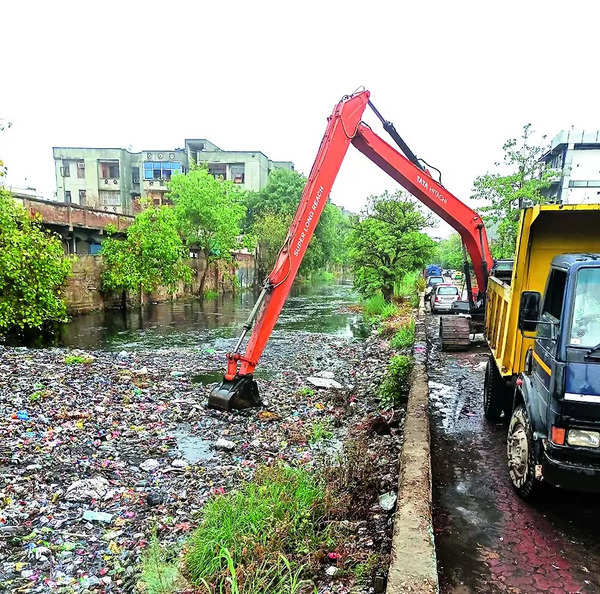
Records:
x=432, y=281
x=443, y=296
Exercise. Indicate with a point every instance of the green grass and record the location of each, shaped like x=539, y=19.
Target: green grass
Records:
x=209, y=295
x=409, y=287
x=374, y=306
x=77, y=359
x=160, y=573
x=395, y=386
x=405, y=337
x=242, y=535
x=319, y=431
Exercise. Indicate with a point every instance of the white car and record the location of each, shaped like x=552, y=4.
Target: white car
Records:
x=432, y=281
x=443, y=296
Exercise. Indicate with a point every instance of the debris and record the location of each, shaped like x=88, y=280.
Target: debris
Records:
x=267, y=415
x=224, y=444
x=322, y=382
x=387, y=501
x=150, y=465
x=94, y=516
x=325, y=374
x=85, y=489
x=331, y=570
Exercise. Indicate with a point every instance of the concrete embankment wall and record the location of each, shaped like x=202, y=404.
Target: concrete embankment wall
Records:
x=83, y=290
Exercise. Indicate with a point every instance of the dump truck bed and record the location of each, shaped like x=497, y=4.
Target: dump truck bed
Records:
x=544, y=232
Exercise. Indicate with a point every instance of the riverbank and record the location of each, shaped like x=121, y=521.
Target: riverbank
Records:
x=103, y=449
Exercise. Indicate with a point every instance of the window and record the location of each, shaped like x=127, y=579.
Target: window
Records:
x=447, y=291
x=585, y=329
x=82, y=197
x=80, y=169
x=109, y=169
x=161, y=169
x=109, y=198
x=135, y=176
x=68, y=196
x=237, y=173
x=65, y=170
x=555, y=294
x=217, y=170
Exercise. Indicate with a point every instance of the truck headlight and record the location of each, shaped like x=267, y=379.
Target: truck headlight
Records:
x=587, y=439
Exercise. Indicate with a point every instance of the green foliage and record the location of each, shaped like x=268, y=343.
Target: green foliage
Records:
x=151, y=255
x=376, y=308
x=521, y=182
x=246, y=531
x=386, y=243
x=209, y=295
x=405, y=337
x=77, y=359
x=33, y=268
x=395, y=386
x=320, y=430
x=160, y=574
x=269, y=215
x=449, y=252
x=209, y=212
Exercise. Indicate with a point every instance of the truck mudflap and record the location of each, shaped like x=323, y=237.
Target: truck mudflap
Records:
x=455, y=333
x=573, y=476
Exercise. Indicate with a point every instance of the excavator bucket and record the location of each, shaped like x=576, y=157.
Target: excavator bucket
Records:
x=241, y=392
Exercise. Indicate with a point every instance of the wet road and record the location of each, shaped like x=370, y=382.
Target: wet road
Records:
x=487, y=539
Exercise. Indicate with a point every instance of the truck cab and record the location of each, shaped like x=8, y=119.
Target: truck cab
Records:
x=554, y=430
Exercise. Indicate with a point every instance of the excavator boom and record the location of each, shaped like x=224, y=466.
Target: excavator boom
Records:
x=238, y=388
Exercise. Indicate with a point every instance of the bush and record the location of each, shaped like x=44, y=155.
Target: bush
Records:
x=395, y=386
x=405, y=337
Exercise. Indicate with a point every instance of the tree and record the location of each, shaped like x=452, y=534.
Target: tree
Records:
x=209, y=214
x=270, y=212
x=386, y=242
x=151, y=255
x=450, y=252
x=33, y=268
x=520, y=183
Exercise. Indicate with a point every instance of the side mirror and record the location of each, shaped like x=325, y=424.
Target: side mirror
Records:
x=529, y=311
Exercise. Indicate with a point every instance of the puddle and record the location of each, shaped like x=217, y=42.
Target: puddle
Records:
x=191, y=447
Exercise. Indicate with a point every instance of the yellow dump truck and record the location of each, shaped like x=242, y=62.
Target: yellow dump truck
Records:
x=542, y=323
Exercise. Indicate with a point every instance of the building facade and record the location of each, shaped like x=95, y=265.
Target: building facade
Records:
x=575, y=154
x=113, y=179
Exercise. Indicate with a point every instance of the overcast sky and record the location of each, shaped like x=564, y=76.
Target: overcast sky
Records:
x=456, y=78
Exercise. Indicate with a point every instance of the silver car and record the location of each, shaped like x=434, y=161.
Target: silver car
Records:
x=443, y=296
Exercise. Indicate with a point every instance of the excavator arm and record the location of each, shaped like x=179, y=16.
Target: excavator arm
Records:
x=344, y=127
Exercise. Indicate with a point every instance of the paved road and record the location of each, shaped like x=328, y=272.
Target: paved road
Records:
x=487, y=539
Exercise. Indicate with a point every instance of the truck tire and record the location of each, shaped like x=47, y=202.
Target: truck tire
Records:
x=521, y=455
x=455, y=333
x=494, y=393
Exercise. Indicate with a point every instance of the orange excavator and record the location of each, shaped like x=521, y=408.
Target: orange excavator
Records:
x=344, y=127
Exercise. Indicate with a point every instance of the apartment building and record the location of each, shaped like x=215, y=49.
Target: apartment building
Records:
x=113, y=179
x=575, y=154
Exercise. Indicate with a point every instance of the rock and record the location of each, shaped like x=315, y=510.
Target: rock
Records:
x=224, y=444
x=179, y=463
x=331, y=570
x=85, y=489
x=150, y=465
x=123, y=354
x=387, y=501
x=322, y=382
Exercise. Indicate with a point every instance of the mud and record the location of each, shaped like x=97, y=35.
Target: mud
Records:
x=487, y=539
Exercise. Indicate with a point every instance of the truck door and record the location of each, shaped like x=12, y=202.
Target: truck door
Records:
x=545, y=345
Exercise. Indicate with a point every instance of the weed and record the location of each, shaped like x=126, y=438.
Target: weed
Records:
x=209, y=295
x=405, y=337
x=394, y=388
x=242, y=534
x=160, y=574
x=374, y=306
x=320, y=430
x=77, y=359
x=306, y=391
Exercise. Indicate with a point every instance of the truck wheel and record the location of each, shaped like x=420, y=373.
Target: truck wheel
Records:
x=493, y=393
x=521, y=454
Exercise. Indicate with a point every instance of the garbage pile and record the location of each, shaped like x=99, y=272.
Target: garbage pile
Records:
x=100, y=449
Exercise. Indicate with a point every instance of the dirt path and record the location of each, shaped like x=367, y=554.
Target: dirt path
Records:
x=487, y=539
